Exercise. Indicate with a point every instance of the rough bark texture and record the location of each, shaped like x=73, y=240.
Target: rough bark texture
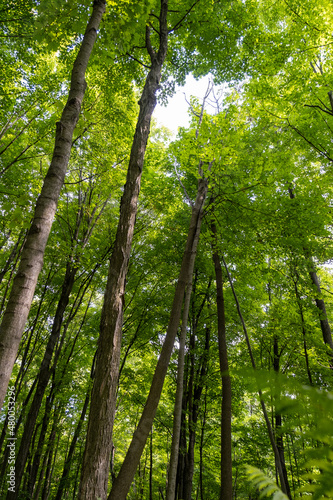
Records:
x=226, y=443
x=125, y=477
x=96, y=461
x=31, y=263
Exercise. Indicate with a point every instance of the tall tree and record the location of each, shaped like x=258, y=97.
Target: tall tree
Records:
x=226, y=413
x=24, y=284
x=95, y=470
x=125, y=477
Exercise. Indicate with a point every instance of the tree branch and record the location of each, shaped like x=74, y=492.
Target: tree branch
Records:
x=178, y=25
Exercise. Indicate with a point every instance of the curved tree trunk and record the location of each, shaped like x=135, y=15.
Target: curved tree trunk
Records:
x=125, y=477
x=31, y=263
x=96, y=460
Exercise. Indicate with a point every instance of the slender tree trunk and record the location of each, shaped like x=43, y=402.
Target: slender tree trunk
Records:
x=182, y=442
x=125, y=477
x=324, y=324
x=194, y=401
x=43, y=378
x=262, y=403
x=49, y=453
x=13, y=254
x=299, y=303
x=278, y=419
x=68, y=461
x=201, y=467
x=226, y=443
x=96, y=461
x=177, y=415
x=31, y=263
x=151, y=466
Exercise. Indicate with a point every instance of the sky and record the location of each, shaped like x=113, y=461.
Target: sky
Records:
x=175, y=114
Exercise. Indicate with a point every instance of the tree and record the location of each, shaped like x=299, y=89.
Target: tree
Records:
x=264, y=156
x=32, y=254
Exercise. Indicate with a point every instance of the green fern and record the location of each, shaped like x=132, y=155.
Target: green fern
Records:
x=263, y=484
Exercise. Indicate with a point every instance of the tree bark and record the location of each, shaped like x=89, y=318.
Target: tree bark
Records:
x=126, y=474
x=44, y=375
x=226, y=442
x=194, y=400
x=324, y=324
x=177, y=415
x=262, y=403
x=96, y=460
x=278, y=418
x=31, y=263
x=68, y=461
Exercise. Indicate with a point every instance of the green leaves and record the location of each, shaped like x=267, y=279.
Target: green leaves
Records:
x=263, y=484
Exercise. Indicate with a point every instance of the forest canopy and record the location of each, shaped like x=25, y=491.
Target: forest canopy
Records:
x=166, y=302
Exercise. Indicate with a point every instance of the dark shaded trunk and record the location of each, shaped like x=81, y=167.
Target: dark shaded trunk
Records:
x=125, y=477
x=13, y=254
x=68, y=462
x=25, y=281
x=177, y=415
x=52, y=455
x=262, y=403
x=151, y=466
x=43, y=378
x=299, y=303
x=196, y=384
x=226, y=442
x=39, y=449
x=182, y=441
x=324, y=324
x=201, y=487
x=278, y=418
x=96, y=461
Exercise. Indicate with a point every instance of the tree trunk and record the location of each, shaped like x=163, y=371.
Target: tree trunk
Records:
x=68, y=461
x=262, y=403
x=324, y=324
x=33, y=252
x=226, y=443
x=125, y=477
x=194, y=400
x=278, y=418
x=43, y=378
x=12, y=256
x=177, y=416
x=96, y=461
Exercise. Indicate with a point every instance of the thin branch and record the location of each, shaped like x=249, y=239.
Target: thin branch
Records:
x=178, y=25
x=322, y=153
x=184, y=188
x=301, y=18
x=321, y=109
x=137, y=60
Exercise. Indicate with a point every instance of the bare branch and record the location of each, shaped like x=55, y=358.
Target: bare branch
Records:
x=137, y=60
x=178, y=25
